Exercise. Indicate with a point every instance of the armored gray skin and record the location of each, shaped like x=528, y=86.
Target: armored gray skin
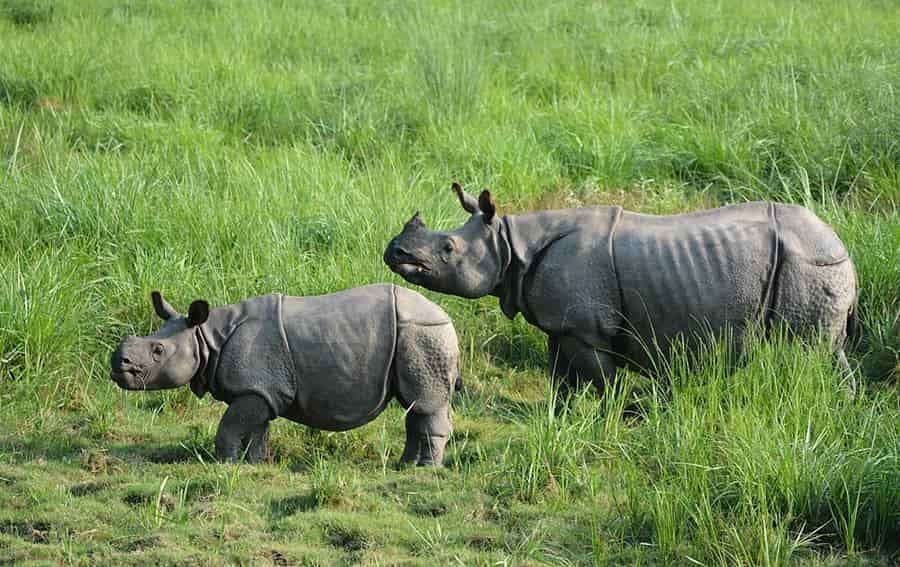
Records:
x=331, y=362
x=613, y=288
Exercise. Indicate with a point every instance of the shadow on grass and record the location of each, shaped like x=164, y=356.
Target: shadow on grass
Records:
x=511, y=410
x=136, y=544
x=92, y=457
x=280, y=509
x=33, y=532
x=170, y=453
x=519, y=352
x=19, y=450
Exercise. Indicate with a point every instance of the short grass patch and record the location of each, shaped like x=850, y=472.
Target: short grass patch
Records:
x=223, y=149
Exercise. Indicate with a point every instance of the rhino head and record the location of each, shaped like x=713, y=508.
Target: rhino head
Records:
x=468, y=262
x=168, y=358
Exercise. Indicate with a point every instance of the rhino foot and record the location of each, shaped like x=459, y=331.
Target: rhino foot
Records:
x=426, y=438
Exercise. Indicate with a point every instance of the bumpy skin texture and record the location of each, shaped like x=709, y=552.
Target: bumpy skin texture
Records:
x=331, y=362
x=613, y=288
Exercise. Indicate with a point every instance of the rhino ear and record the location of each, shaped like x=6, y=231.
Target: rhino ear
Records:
x=467, y=201
x=162, y=307
x=198, y=313
x=486, y=204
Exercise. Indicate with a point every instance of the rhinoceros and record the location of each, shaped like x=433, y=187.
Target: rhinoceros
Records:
x=331, y=362
x=612, y=288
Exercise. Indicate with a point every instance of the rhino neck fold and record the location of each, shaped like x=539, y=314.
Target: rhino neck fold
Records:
x=526, y=237
x=504, y=253
x=199, y=384
x=507, y=288
x=529, y=236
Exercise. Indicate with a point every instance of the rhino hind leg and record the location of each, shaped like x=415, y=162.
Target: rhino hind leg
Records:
x=573, y=363
x=426, y=437
x=813, y=299
x=243, y=430
x=426, y=370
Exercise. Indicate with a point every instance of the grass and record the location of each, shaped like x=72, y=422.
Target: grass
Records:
x=221, y=150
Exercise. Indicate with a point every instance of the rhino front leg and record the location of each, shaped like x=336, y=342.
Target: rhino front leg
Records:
x=579, y=362
x=562, y=374
x=243, y=430
x=426, y=437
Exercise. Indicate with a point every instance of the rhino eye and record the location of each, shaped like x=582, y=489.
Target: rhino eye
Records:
x=448, y=246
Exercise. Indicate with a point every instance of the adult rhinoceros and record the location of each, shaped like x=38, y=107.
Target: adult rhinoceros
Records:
x=613, y=288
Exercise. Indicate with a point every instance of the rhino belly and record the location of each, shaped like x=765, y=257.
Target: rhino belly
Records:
x=691, y=277
x=342, y=345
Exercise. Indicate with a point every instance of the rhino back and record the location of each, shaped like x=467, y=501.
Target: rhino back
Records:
x=415, y=308
x=342, y=345
x=691, y=274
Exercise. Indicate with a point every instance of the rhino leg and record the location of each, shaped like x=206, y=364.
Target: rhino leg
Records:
x=426, y=367
x=243, y=430
x=565, y=380
x=578, y=362
x=426, y=437
x=815, y=299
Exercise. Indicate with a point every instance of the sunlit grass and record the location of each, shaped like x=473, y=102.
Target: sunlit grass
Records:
x=223, y=149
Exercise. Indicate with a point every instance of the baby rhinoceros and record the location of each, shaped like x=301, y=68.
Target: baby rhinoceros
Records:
x=330, y=362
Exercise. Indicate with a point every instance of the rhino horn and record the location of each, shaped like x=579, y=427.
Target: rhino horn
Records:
x=414, y=223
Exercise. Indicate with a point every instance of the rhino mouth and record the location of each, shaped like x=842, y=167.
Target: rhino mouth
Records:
x=129, y=380
x=410, y=269
x=404, y=263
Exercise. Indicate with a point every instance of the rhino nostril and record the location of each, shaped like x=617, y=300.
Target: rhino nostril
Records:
x=126, y=360
x=393, y=251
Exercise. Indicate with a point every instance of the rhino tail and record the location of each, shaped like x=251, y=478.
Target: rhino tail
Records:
x=459, y=383
x=854, y=328
x=855, y=332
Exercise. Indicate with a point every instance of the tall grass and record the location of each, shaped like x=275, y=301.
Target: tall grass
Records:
x=224, y=149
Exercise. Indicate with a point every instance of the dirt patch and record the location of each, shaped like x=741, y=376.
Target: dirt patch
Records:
x=170, y=454
x=136, y=498
x=644, y=197
x=426, y=508
x=87, y=488
x=279, y=559
x=483, y=542
x=48, y=103
x=285, y=507
x=348, y=539
x=35, y=532
x=96, y=461
x=136, y=545
x=167, y=502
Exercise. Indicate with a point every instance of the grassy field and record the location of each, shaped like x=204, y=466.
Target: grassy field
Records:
x=223, y=149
